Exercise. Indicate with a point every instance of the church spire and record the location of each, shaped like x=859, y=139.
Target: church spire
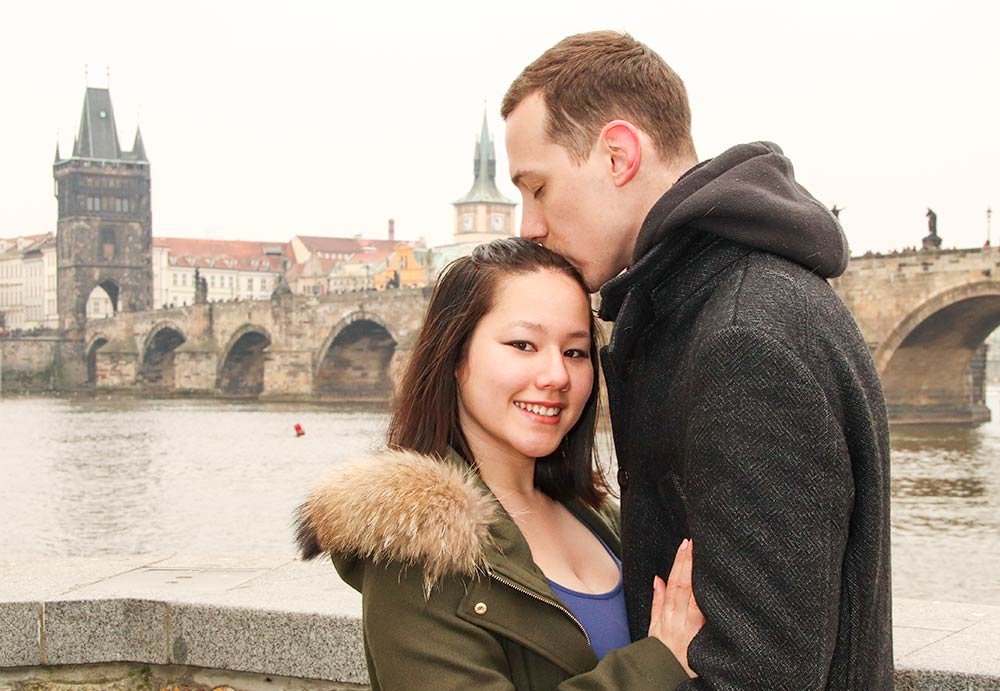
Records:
x=484, y=186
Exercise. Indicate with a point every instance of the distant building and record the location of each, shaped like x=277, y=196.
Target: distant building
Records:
x=402, y=270
x=342, y=265
x=104, y=230
x=233, y=269
x=483, y=214
x=28, y=282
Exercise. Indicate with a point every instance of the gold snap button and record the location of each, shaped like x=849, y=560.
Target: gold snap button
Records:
x=480, y=608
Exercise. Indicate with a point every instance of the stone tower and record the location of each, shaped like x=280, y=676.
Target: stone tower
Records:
x=104, y=233
x=484, y=214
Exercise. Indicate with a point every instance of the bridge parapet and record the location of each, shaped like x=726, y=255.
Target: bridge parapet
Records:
x=287, y=346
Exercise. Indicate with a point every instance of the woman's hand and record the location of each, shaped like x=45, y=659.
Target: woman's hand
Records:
x=675, y=618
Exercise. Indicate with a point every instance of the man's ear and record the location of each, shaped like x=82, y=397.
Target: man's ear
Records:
x=621, y=144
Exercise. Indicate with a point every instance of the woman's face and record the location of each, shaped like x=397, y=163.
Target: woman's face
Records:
x=527, y=374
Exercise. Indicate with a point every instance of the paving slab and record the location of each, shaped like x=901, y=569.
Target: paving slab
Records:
x=973, y=650
x=52, y=578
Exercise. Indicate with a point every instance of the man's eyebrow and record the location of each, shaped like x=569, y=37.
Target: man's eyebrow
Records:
x=516, y=178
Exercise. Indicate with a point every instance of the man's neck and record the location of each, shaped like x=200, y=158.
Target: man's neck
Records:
x=660, y=177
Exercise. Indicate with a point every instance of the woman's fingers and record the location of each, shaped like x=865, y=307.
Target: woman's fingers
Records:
x=679, y=582
x=675, y=616
x=678, y=566
x=656, y=613
x=694, y=618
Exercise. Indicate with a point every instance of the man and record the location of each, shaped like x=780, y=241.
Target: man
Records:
x=746, y=409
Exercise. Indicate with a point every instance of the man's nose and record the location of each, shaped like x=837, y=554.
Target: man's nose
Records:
x=533, y=226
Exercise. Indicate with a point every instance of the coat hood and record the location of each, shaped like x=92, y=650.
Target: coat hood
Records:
x=748, y=194
x=401, y=506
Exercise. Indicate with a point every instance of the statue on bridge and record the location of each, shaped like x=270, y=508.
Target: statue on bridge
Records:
x=200, y=288
x=932, y=241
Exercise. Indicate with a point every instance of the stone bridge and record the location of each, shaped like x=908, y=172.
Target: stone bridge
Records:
x=342, y=346
x=925, y=316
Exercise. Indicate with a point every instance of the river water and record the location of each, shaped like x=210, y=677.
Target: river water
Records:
x=112, y=476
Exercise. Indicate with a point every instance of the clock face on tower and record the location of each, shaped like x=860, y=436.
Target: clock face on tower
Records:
x=496, y=222
x=467, y=223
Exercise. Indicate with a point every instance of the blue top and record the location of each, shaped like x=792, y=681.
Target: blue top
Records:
x=603, y=616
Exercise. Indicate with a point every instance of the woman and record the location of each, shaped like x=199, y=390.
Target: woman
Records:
x=483, y=545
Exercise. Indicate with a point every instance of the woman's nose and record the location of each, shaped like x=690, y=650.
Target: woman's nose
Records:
x=554, y=373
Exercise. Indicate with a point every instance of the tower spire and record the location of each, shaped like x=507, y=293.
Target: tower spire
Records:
x=484, y=166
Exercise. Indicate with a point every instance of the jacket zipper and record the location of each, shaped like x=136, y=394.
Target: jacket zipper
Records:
x=547, y=602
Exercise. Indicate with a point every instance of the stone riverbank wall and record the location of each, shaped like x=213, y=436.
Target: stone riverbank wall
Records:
x=253, y=623
x=29, y=364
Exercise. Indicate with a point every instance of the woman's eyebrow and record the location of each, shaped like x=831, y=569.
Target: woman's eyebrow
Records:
x=533, y=326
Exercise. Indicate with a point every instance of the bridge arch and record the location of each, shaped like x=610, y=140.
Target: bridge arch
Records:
x=103, y=300
x=156, y=369
x=97, y=341
x=928, y=362
x=355, y=358
x=241, y=362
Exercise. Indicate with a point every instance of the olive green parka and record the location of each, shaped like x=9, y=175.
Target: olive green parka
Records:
x=451, y=598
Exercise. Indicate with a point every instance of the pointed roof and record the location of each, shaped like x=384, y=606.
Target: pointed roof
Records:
x=98, y=135
x=484, y=187
x=57, y=152
x=138, y=152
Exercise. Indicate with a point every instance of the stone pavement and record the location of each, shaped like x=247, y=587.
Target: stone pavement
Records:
x=279, y=616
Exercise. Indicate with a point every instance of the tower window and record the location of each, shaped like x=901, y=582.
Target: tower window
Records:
x=107, y=243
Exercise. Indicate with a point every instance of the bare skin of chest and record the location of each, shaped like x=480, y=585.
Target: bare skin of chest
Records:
x=564, y=549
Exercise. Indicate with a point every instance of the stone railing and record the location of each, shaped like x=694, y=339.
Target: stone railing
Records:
x=244, y=623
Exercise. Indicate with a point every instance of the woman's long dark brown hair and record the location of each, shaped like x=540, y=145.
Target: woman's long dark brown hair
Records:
x=425, y=410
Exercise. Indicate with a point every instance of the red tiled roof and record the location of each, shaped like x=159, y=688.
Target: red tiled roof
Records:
x=28, y=242
x=315, y=243
x=225, y=254
x=341, y=245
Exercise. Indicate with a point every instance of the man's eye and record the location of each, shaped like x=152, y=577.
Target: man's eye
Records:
x=538, y=191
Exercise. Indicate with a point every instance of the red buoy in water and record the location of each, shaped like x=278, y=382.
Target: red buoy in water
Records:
x=298, y=430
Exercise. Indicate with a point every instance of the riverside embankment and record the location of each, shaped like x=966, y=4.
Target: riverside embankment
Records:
x=249, y=623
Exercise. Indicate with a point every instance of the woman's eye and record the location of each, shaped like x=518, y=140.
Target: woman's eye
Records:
x=538, y=191
x=576, y=353
x=521, y=345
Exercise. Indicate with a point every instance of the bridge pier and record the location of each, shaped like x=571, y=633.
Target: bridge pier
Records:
x=195, y=367
x=117, y=365
x=287, y=373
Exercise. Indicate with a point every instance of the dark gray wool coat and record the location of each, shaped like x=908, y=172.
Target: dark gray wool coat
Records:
x=748, y=415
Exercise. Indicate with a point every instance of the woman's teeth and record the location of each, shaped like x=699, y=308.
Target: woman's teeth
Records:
x=538, y=409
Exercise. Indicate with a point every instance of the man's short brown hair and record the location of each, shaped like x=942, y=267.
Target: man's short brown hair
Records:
x=587, y=80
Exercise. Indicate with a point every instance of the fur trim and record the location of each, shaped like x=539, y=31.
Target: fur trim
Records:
x=404, y=507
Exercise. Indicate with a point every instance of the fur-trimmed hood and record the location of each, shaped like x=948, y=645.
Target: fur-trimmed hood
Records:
x=405, y=507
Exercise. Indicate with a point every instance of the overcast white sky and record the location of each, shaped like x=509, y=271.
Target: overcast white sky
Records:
x=331, y=117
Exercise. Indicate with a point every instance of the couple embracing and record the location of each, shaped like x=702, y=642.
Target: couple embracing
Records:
x=751, y=546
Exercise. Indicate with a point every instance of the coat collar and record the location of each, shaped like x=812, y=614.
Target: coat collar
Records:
x=401, y=506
